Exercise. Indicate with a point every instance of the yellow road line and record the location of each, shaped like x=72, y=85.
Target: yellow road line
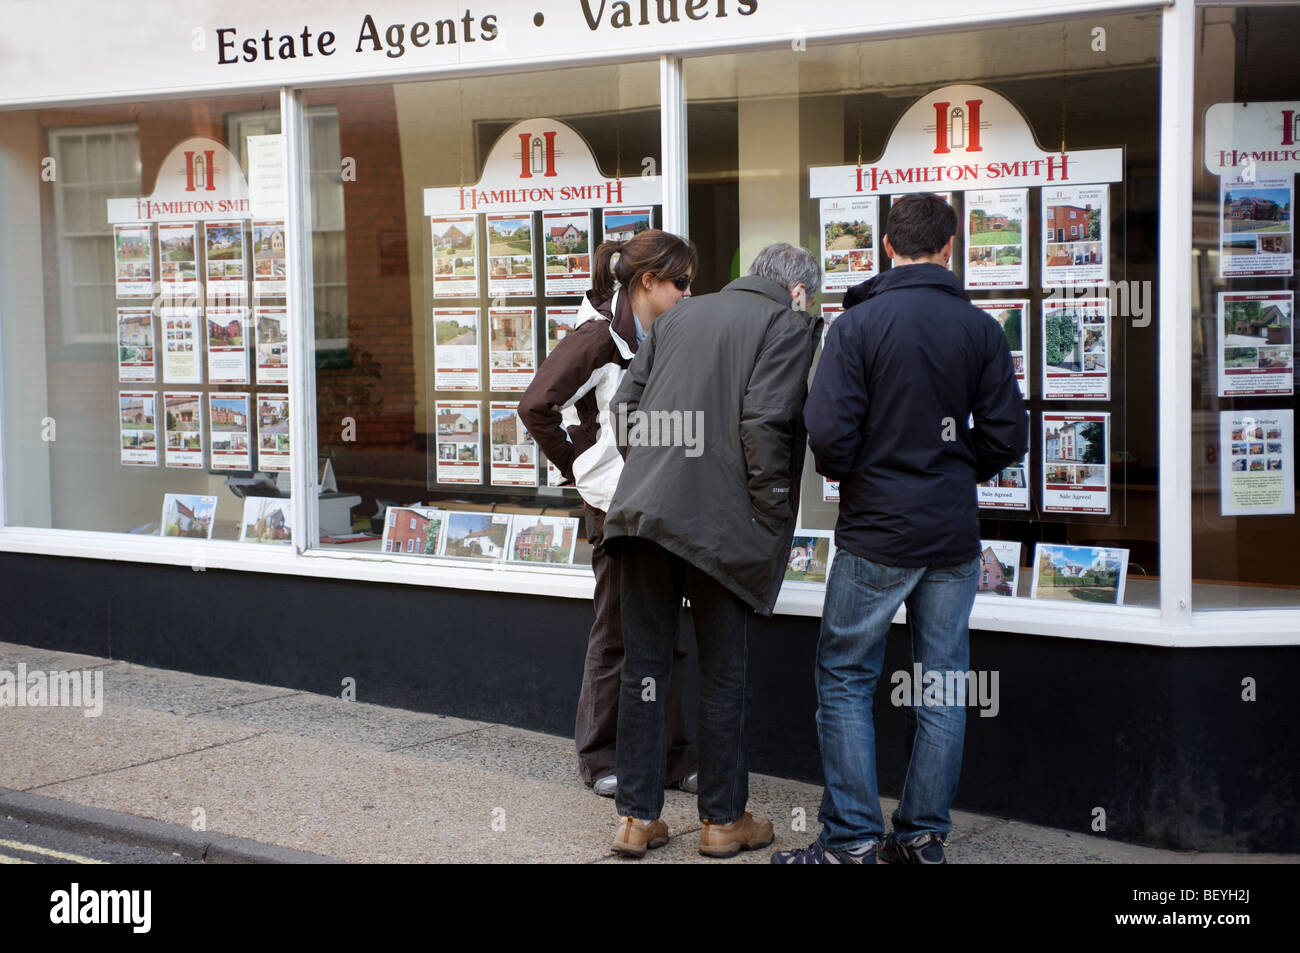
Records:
x=6, y=859
x=47, y=852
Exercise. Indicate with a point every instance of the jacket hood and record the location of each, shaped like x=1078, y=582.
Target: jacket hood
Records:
x=924, y=275
x=618, y=312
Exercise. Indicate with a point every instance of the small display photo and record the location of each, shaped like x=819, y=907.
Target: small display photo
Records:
x=810, y=556
x=514, y=454
x=1079, y=574
x=187, y=516
x=456, y=442
x=225, y=259
x=184, y=419
x=1011, y=316
x=999, y=567
x=1076, y=235
x=1256, y=224
x=178, y=258
x=133, y=258
x=848, y=241
x=510, y=256
x=271, y=327
x=477, y=535
x=996, y=231
x=135, y=345
x=265, y=520
x=566, y=241
x=455, y=349
x=1076, y=351
x=269, y=271
x=138, y=427
x=413, y=530
x=543, y=539
x=1256, y=343
x=559, y=323
x=455, y=256
x=512, y=359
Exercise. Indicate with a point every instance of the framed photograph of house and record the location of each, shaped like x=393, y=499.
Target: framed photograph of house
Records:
x=513, y=452
x=848, y=241
x=1079, y=574
x=186, y=516
x=1256, y=343
x=183, y=415
x=270, y=276
x=511, y=272
x=455, y=256
x=811, y=552
x=456, y=349
x=1076, y=348
x=133, y=261
x=542, y=539
x=1256, y=225
x=266, y=519
x=1012, y=316
x=226, y=274
x=135, y=346
x=1008, y=490
x=997, y=234
x=272, y=432
x=178, y=336
x=227, y=345
x=138, y=427
x=481, y=536
x=512, y=349
x=230, y=431
x=567, y=248
x=456, y=442
x=1076, y=235
x=271, y=334
x=559, y=322
x=1076, y=463
x=413, y=530
x=1256, y=462
x=178, y=259
x=999, y=567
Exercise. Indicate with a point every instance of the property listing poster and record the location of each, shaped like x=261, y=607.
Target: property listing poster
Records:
x=271, y=333
x=830, y=490
x=133, y=259
x=455, y=349
x=455, y=256
x=413, y=530
x=135, y=345
x=829, y=313
x=999, y=567
x=230, y=435
x=457, y=441
x=272, y=431
x=1076, y=471
x=225, y=257
x=511, y=272
x=178, y=258
x=1076, y=235
x=559, y=322
x=1256, y=343
x=1012, y=317
x=1256, y=225
x=996, y=229
x=543, y=539
x=180, y=342
x=269, y=274
x=1257, y=465
x=227, y=345
x=512, y=354
x=188, y=516
x=848, y=231
x=1076, y=348
x=476, y=535
x=138, y=417
x=266, y=519
x=553, y=475
x=184, y=418
x=566, y=245
x=946, y=196
x=622, y=224
x=1008, y=490
x=513, y=452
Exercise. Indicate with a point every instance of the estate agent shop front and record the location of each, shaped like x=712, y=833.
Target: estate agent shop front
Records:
x=272, y=283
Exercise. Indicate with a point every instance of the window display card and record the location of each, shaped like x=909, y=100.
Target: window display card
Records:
x=623, y=224
x=270, y=278
x=999, y=567
x=1012, y=316
x=1076, y=348
x=997, y=229
x=181, y=355
x=455, y=256
x=178, y=259
x=477, y=535
x=1256, y=343
x=811, y=552
x=1256, y=462
x=1256, y=225
x=188, y=516
x=514, y=454
x=266, y=519
x=1079, y=574
x=138, y=424
x=511, y=272
x=559, y=322
x=273, y=432
x=1076, y=235
x=184, y=416
x=1076, y=471
x=457, y=441
x=227, y=345
x=413, y=530
x=1009, y=490
x=848, y=230
x=225, y=257
x=455, y=349
x=135, y=345
x=133, y=260
x=271, y=332
x=543, y=539
x=566, y=239
x=512, y=354
x=829, y=313
x=830, y=491
x=228, y=416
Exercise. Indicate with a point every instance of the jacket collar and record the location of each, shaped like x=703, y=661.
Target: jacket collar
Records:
x=618, y=312
x=764, y=286
x=924, y=275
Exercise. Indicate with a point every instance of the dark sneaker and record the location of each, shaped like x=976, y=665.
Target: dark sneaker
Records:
x=815, y=853
x=923, y=849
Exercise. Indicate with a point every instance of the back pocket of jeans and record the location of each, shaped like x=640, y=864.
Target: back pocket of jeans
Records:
x=876, y=576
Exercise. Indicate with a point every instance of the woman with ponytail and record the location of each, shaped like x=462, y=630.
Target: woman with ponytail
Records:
x=566, y=409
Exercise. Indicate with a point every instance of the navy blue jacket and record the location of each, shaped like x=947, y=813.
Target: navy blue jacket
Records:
x=906, y=368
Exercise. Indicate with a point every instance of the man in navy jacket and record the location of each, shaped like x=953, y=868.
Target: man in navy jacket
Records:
x=914, y=402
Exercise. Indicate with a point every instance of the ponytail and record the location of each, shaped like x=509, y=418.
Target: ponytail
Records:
x=653, y=251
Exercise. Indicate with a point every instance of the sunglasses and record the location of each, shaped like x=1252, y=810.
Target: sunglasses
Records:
x=682, y=284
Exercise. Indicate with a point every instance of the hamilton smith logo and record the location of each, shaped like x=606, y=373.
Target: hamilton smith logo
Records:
x=536, y=157
x=200, y=168
x=957, y=127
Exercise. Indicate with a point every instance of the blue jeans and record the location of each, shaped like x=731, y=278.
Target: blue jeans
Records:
x=861, y=599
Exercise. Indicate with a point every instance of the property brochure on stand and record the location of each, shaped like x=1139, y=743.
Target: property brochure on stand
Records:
x=457, y=442
x=1012, y=317
x=1257, y=462
x=133, y=260
x=455, y=256
x=512, y=351
x=227, y=345
x=566, y=241
x=1076, y=471
x=269, y=273
x=542, y=539
x=188, y=516
x=514, y=455
x=228, y=414
x=1256, y=343
x=999, y=567
x=1009, y=490
x=811, y=551
x=996, y=230
x=1256, y=225
x=455, y=349
x=476, y=536
x=1076, y=235
x=272, y=335
x=135, y=345
x=184, y=416
x=273, y=432
x=138, y=425
x=1079, y=574
x=1076, y=348
x=511, y=273
x=848, y=235
x=266, y=519
x=225, y=256
x=181, y=354
x=178, y=260
x=413, y=530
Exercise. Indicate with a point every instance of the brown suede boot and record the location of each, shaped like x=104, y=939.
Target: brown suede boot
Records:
x=634, y=836
x=727, y=840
